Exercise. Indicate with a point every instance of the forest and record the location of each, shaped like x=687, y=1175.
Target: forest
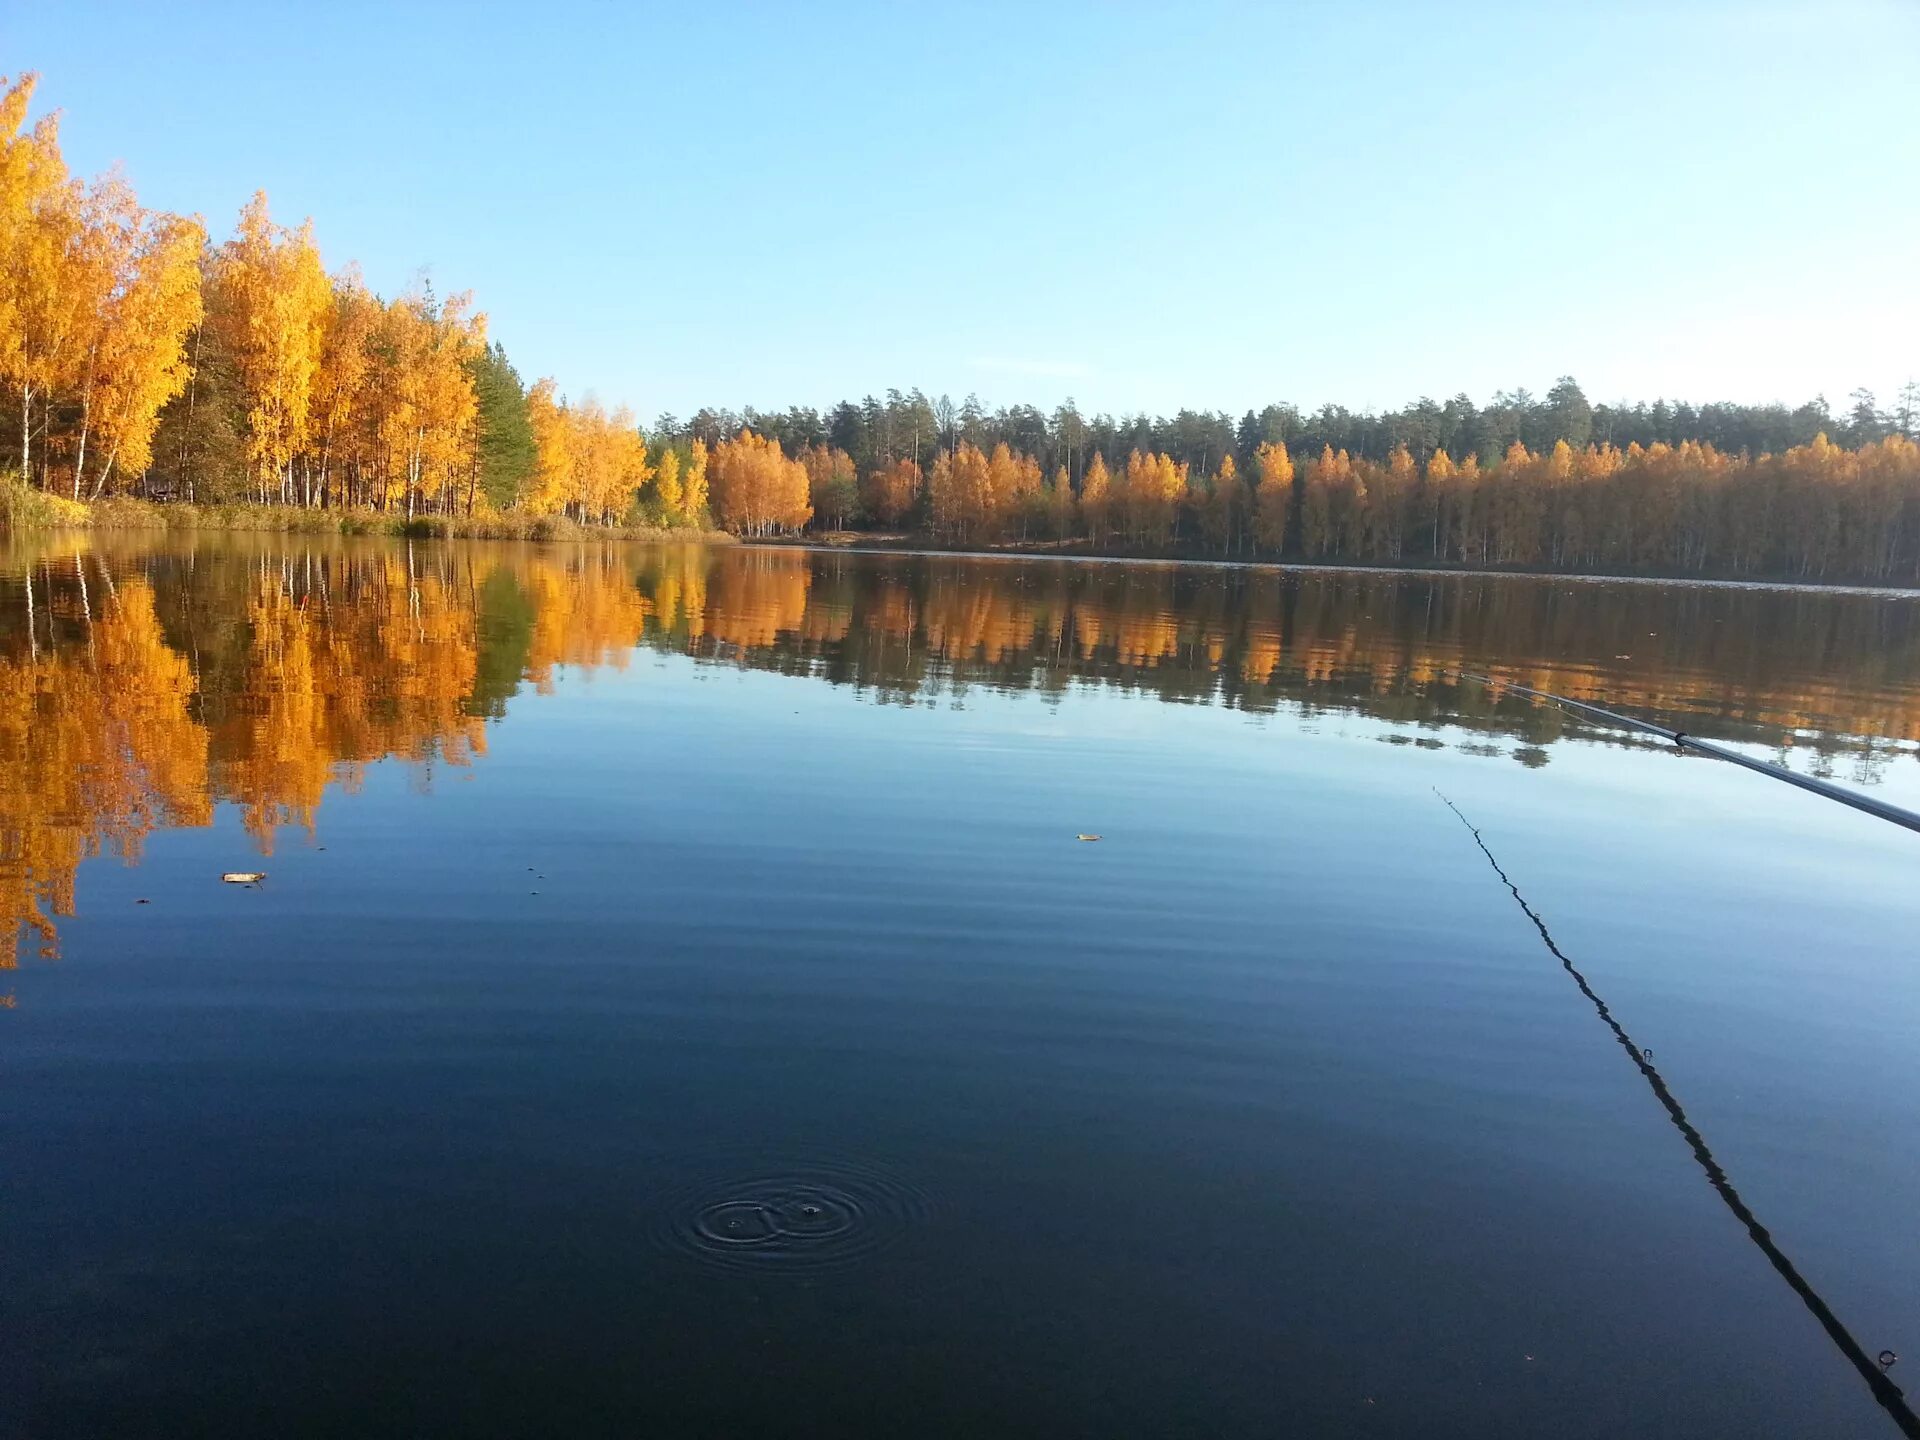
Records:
x=146, y=362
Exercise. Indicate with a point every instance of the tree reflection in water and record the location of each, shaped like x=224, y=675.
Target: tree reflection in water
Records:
x=142, y=683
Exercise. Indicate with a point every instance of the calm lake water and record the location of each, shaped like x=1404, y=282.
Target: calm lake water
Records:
x=679, y=1003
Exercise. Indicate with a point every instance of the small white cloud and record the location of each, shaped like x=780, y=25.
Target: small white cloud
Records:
x=1013, y=365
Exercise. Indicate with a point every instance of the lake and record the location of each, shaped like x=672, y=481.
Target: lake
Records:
x=682, y=999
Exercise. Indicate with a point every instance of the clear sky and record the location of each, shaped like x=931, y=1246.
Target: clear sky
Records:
x=1142, y=206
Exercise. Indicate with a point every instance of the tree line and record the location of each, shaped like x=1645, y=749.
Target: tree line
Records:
x=142, y=358
x=1638, y=489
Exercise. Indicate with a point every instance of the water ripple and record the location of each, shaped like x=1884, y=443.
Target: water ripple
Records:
x=811, y=1219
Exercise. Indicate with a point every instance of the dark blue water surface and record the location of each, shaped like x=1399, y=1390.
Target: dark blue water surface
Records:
x=679, y=1002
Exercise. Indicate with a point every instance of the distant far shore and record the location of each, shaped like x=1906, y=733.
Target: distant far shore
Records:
x=26, y=511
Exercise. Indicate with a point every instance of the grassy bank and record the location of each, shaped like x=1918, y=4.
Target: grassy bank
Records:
x=24, y=508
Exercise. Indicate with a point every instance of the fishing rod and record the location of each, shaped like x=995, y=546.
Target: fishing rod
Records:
x=1826, y=789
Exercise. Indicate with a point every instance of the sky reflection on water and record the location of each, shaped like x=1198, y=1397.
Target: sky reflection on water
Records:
x=1269, y=1110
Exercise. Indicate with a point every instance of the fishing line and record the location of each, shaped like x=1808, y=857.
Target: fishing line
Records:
x=1892, y=1399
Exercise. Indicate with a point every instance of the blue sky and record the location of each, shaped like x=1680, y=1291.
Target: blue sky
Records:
x=1141, y=206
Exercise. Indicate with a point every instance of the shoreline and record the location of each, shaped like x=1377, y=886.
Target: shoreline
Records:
x=33, y=512
x=48, y=514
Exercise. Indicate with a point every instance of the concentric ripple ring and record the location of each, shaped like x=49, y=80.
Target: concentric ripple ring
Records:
x=815, y=1219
